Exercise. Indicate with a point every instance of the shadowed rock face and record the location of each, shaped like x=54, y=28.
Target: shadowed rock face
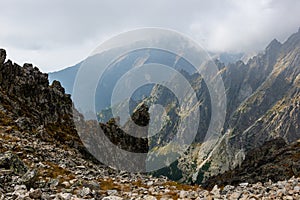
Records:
x=10, y=161
x=30, y=103
x=274, y=160
x=263, y=99
x=2, y=56
x=133, y=136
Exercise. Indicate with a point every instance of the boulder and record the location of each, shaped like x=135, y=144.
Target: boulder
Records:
x=8, y=160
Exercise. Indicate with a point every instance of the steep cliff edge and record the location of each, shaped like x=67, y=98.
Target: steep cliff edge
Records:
x=28, y=102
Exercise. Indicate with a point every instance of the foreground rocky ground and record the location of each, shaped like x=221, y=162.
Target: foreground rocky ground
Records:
x=34, y=169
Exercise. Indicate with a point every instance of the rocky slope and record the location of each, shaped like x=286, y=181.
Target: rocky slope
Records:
x=31, y=168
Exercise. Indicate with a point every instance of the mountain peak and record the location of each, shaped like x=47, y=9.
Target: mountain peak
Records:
x=275, y=44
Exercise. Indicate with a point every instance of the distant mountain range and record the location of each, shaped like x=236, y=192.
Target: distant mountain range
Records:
x=263, y=101
x=67, y=75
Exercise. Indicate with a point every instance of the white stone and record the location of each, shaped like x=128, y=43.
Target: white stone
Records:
x=111, y=192
x=149, y=183
x=244, y=184
x=64, y=196
x=297, y=188
x=149, y=197
x=112, y=198
x=85, y=191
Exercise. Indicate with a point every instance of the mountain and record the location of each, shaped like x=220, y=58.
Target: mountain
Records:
x=42, y=155
x=67, y=76
x=228, y=58
x=263, y=99
x=262, y=105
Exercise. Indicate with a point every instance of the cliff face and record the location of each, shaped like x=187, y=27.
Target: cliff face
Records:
x=28, y=102
x=275, y=160
x=270, y=109
x=263, y=99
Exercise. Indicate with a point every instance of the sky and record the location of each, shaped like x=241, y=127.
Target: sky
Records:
x=57, y=34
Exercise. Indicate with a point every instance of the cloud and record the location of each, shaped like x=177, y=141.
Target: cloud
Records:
x=56, y=34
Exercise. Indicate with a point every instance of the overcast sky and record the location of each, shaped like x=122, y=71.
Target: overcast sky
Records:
x=56, y=34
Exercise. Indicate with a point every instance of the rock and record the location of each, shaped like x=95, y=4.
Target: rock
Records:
x=297, y=189
x=112, y=198
x=137, y=140
x=85, y=191
x=215, y=191
x=235, y=195
x=2, y=197
x=53, y=183
x=66, y=184
x=289, y=198
x=93, y=185
x=227, y=188
x=244, y=184
x=8, y=160
x=35, y=194
x=149, y=197
x=19, y=191
x=2, y=56
x=56, y=85
x=20, y=188
x=64, y=196
x=24, y=123
x=149, y=183
x=29, y=178
x=111, y=192
x=42, y=133
x=183, y=194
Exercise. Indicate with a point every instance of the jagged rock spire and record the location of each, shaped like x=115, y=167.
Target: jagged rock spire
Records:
x=2, y=56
